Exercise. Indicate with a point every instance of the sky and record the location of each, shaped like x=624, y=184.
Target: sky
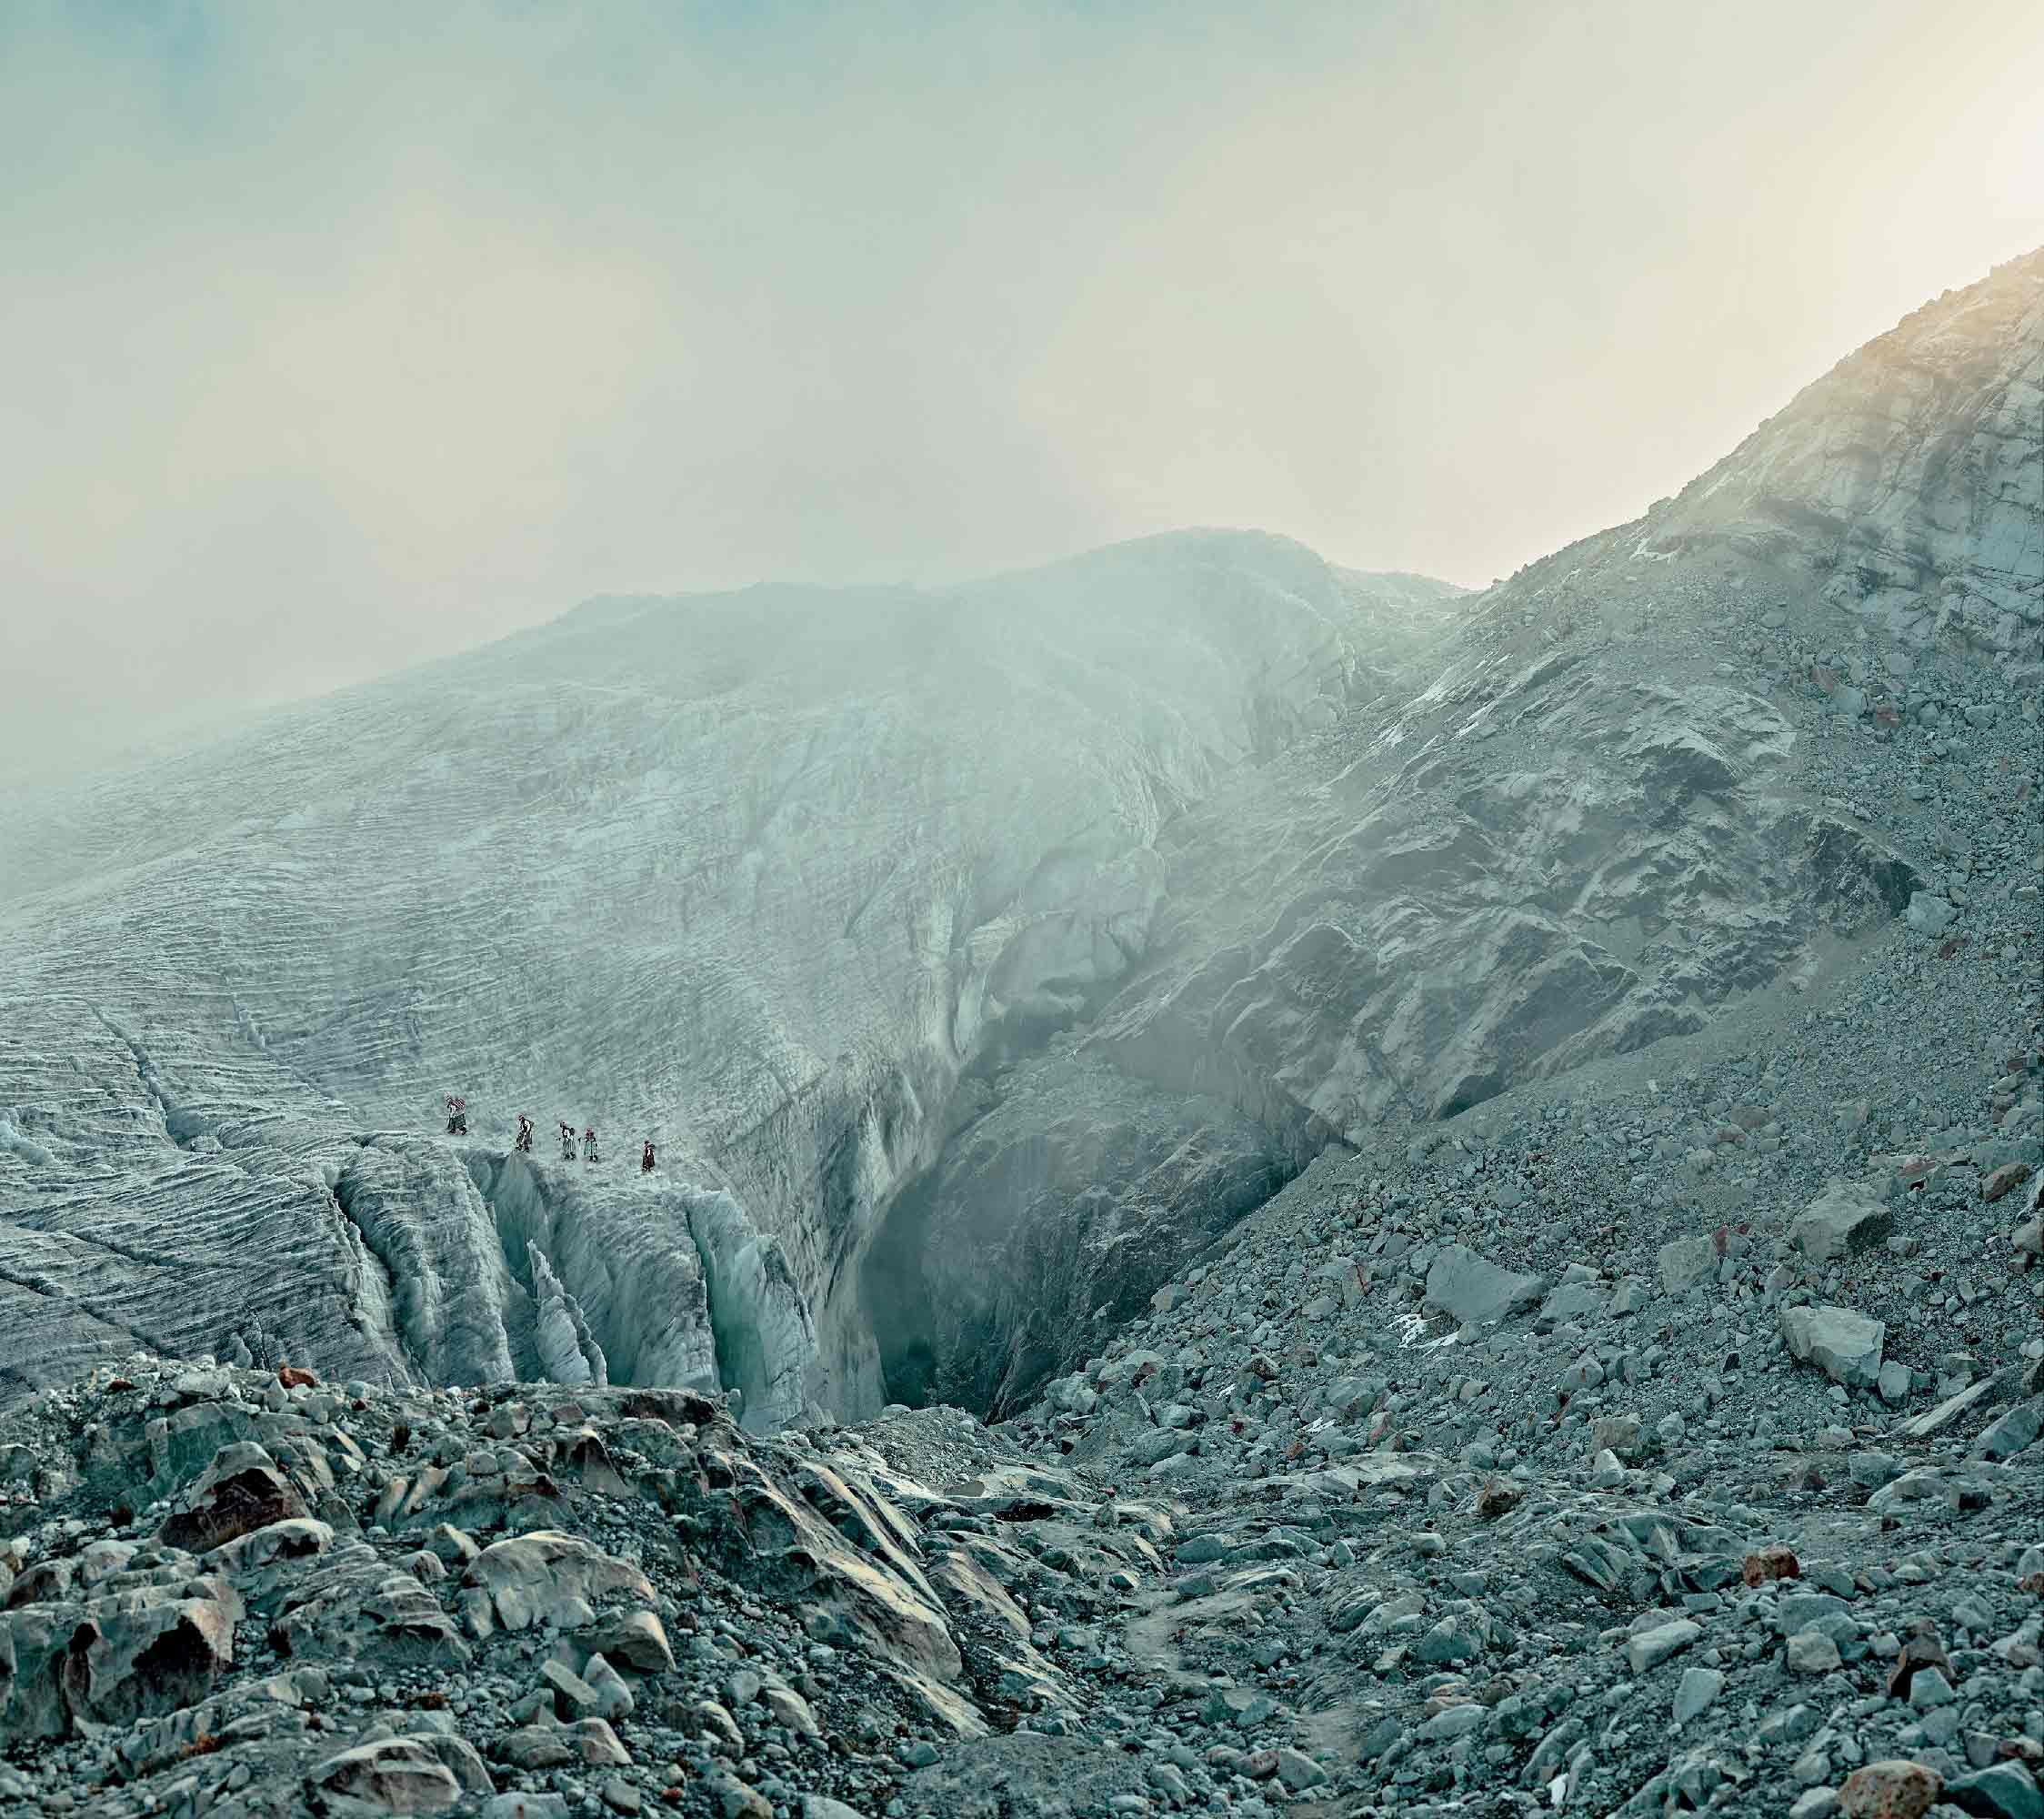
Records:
x=334, y=340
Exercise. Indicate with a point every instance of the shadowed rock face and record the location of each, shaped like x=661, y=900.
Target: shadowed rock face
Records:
x=241, y=1492
x=1048, y=1220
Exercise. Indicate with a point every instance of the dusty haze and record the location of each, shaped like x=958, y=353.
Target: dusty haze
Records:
x=332, y=346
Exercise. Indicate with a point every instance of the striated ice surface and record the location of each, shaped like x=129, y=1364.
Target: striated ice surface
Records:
x=762, y=875
x=432, y=1245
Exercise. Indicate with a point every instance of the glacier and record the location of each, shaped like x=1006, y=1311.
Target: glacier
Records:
x=769, y=876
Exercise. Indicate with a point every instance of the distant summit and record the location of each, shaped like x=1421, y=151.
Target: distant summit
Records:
x=1908, y=475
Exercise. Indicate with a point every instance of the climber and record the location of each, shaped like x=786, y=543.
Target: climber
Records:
x=457, y=1115
x=589, y=1143
x=524, y=1135
x=568, y=1142
x=646, y=1162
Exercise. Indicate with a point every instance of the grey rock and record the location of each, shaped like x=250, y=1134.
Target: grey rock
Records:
x=735, y=1800
x=1929, y=914
x=533, y=1747
x=1935, y=1419
x=614, y=1699
x=1471, y=1289
x=1647, y=1650
x=1999, y=1791
x=1456, y=1721
x=1929, y=1689
x=1156, y=1445
x=398, y=1774
x=1297, y=1771
x=597, y=1744
x=2011, y=1432
x=1792, y=1724
x=1687, y=1263
x=527, y=1576
x=571, y=1691
x=636, y=1638
x=1844, y=1344
x=790, y=1710
x=1812, y=1652
x=1696, y=1691
x=1846, y=1219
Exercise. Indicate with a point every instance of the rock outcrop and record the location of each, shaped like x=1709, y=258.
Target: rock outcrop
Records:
x=420, y=1648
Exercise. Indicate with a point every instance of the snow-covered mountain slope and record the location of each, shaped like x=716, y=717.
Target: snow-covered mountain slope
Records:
x=760, y=875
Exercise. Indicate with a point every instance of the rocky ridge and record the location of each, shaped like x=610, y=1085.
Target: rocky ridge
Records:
x=1706, y=755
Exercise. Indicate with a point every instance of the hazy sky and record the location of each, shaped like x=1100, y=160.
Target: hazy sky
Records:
x=336, y=337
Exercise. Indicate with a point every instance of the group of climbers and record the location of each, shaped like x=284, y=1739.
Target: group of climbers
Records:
x=458, y=1126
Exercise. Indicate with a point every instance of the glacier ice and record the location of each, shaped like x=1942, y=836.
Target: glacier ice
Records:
x=881, y=910
x=17, y=1143
x=763, y=875
x=765, y=1342
x=427, y=1228
x=568, y=1351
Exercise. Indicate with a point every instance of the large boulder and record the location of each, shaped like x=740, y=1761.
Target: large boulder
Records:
x=111, y=1660
x=1930, y=913
x=1469, y=1287
x=356, y=1606
x=1845, y=1346
x=1846, y=1219
x=240, y=1492
x=264, y=1559
x=530, y=1576
x=1687, y=1263
x=160, y=1657
x=2014, y=1433
x=397, y=1775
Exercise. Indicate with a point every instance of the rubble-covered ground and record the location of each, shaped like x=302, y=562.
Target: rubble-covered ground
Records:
x=1628, y=1444
x=1653, y=1439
